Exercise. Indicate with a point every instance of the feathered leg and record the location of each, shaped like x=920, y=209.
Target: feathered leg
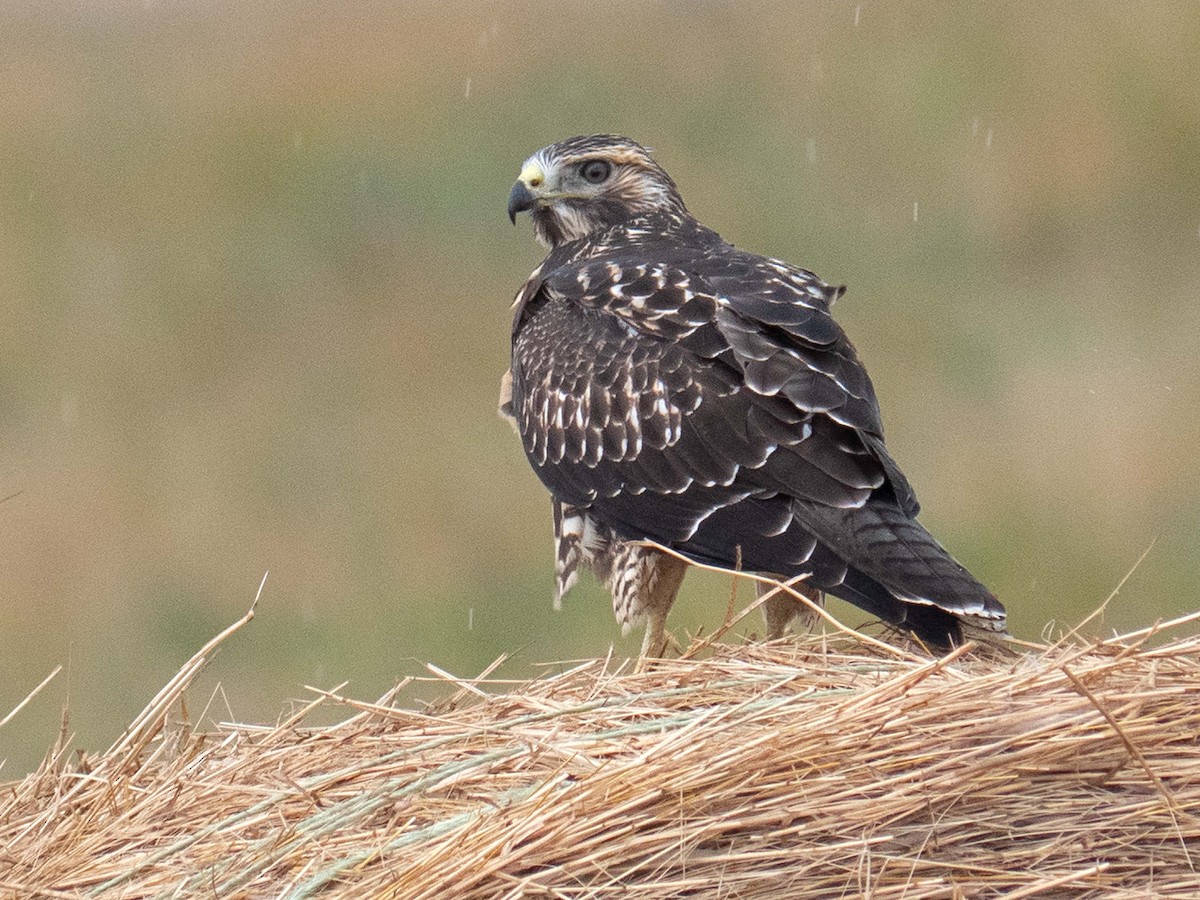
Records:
x=644, y=583
x=780, y=610
x=667, y=577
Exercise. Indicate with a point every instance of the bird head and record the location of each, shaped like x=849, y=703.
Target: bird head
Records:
x=586, y=184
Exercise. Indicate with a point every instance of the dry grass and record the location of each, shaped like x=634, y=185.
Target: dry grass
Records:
x=817, y=768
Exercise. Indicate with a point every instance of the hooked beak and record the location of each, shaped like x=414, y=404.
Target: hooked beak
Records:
x=520, y=200
x=523, y=196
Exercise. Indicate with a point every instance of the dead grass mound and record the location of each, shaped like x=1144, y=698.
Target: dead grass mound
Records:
x=818, y=768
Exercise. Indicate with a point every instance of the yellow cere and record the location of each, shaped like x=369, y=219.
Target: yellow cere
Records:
x=532, y=175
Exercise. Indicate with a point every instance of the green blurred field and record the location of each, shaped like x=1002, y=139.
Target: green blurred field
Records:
x=255, y=274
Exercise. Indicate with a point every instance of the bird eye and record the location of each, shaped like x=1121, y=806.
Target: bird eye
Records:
x=595, y=171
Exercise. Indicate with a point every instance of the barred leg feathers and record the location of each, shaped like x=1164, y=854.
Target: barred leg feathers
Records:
x=568, y=548
x=643, y=581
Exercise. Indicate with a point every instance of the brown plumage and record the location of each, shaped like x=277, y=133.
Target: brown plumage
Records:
x=668, y=387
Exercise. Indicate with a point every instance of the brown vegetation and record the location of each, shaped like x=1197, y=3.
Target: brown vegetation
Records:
x=256, y=269
x=819, y=768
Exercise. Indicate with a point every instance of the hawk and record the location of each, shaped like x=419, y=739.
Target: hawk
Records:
x=672, y=389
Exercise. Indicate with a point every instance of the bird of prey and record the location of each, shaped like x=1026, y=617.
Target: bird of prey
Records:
x=672, y=389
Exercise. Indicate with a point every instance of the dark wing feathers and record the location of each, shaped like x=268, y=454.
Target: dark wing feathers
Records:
x=704, y=398
x=901, y=489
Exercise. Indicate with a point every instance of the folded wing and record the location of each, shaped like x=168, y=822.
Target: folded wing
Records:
x=706, y=400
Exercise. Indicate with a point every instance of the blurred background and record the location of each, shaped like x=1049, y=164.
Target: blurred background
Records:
x=255, y=272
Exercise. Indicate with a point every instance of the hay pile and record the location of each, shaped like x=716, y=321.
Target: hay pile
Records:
x=816, y=768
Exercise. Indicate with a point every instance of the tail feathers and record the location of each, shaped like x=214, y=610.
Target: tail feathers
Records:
x=898, y=571
x=931, y=624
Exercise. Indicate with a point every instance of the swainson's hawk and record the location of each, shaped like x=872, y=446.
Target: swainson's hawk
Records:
x=669, y=387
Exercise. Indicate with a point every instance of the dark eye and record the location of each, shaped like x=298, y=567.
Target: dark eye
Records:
x=595, y=171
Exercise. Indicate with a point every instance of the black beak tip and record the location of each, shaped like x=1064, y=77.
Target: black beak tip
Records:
x=519, y=200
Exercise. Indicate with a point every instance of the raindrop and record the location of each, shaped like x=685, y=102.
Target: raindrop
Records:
x=974, y=127
x=467, y=90
x=987, y=141
x=811, y=150
x=857, y=13
x=470, y=618
x=916, y=210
